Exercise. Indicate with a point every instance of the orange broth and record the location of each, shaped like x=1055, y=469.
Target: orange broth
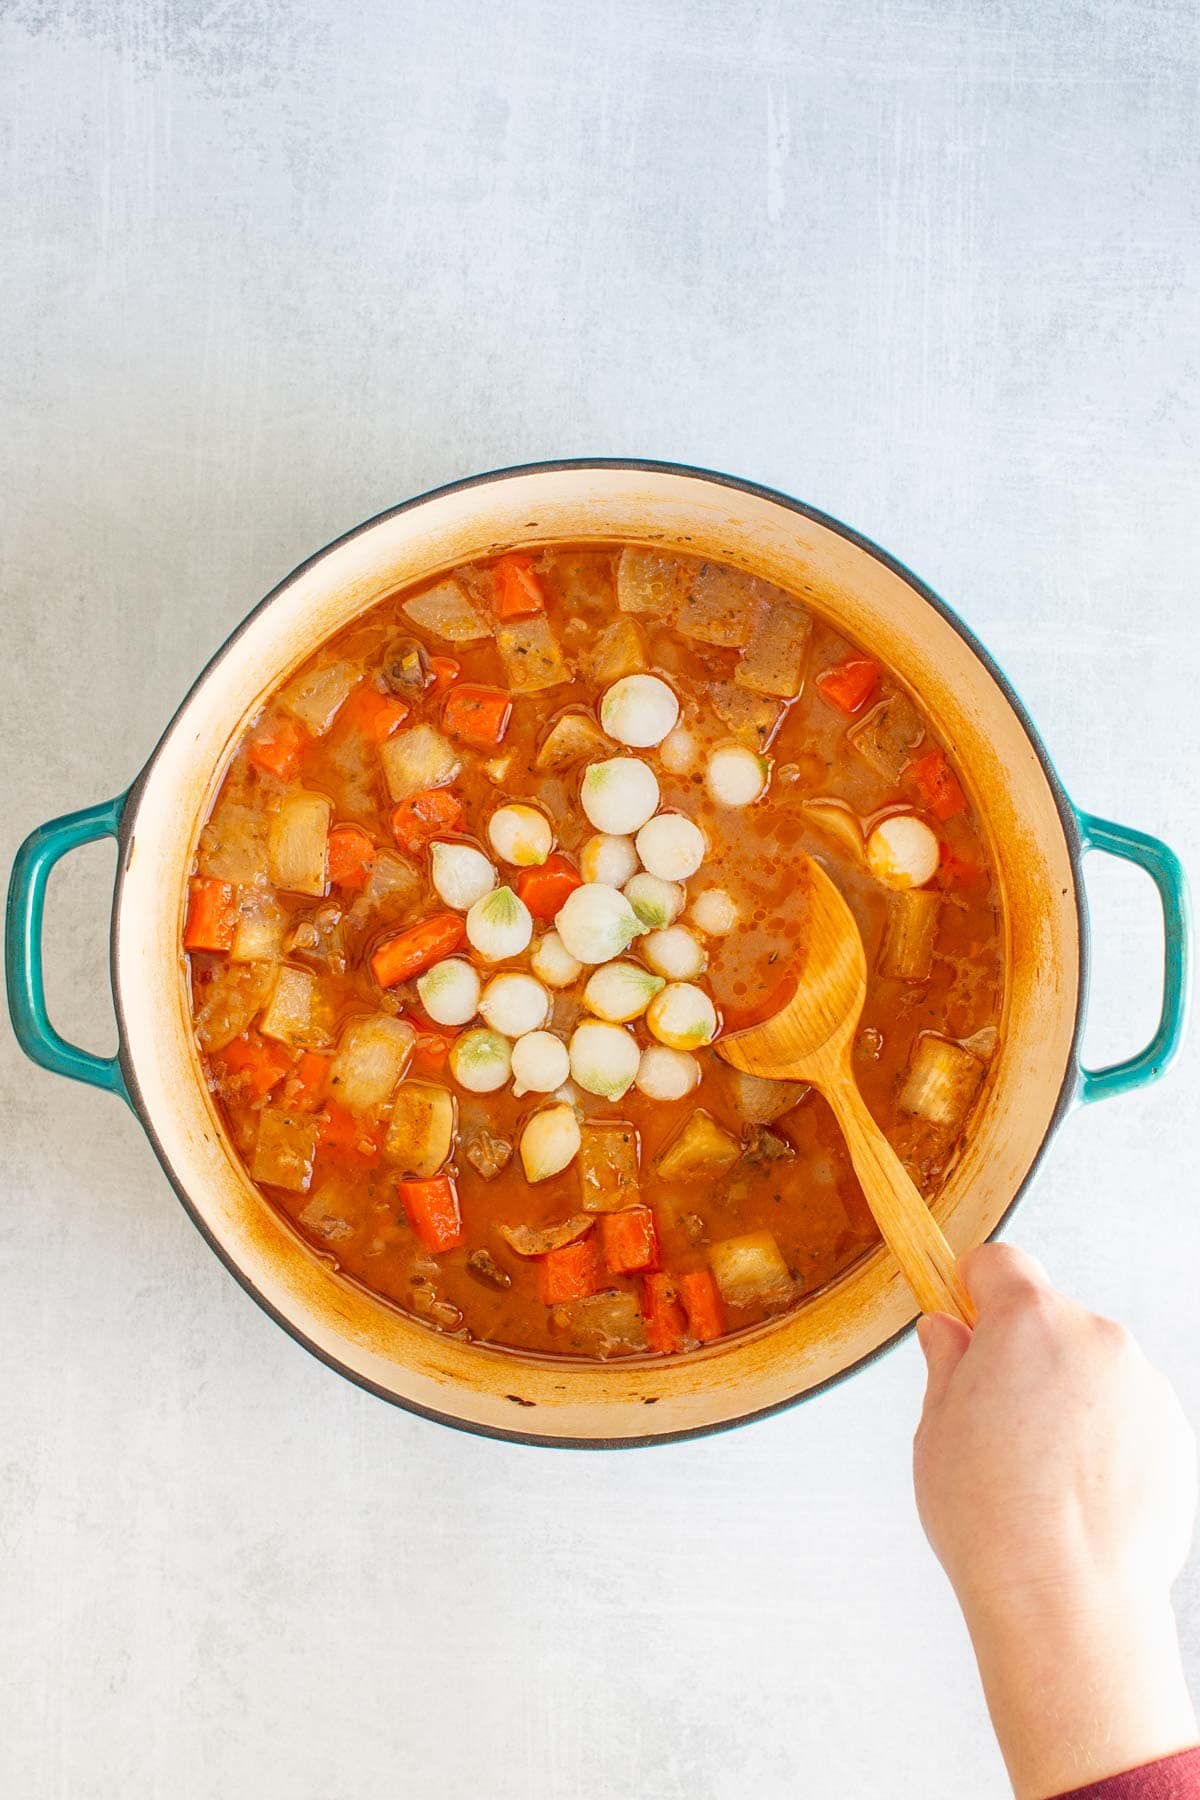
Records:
x=785, y=1171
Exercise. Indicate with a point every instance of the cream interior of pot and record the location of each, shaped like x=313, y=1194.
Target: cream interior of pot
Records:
x=870, y=603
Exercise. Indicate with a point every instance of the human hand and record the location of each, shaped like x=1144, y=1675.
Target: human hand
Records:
x=1056, y=1481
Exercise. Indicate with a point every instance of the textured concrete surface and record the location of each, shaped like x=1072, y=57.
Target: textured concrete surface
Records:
x=269, y=267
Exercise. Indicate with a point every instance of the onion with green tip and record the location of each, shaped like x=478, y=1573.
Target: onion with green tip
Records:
x=604, y=1058
x=682, y=1016
x=621, y=991
x=480, y=1061
x=499, y=925
x=596, y=923
x=656, y=902
x=450, y=991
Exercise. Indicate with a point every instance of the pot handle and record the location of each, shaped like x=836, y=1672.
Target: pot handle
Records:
x=1165, y=870
x=23, y=946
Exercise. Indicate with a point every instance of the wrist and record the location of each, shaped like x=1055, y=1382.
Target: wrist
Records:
x=1069, y=1606
x=1083, y=1679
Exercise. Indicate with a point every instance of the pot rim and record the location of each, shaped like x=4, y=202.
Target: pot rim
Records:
x=1068, y=818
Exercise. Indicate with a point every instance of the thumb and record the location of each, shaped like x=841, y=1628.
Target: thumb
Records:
x=944, y=1341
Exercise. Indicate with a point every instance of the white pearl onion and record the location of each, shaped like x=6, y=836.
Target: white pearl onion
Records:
x=666, y=1074
x=671, y=847
x=540, y=1063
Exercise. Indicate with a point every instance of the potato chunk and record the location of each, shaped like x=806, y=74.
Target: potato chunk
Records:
x=888, y=735
x=718, y=607
x=325, y=1214
x=447, y=613
x=233, y=845
x=370, y=1061
x=230, y=1001
x=260, y=927
x=752, y=718
x=297, y=843
x=286, y=1150
x=417, y=759
x=647, y=583
x=571, y=739
x=299, y=1012
x=620, y=650
x=603, y=1325
x=392, y=888
x=608, y=1165
x=531, y=654
x=749, y=1268
x=421, y=1134
x=773, y=660
x=316, y=696
x=702, y=1147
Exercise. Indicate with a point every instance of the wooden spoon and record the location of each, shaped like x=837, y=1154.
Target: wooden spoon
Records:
x=811, y=1040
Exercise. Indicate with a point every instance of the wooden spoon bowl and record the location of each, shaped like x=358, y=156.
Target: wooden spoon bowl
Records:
x=811, y=1039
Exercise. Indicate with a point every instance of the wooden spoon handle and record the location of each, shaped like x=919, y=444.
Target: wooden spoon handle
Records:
x=909, y=1229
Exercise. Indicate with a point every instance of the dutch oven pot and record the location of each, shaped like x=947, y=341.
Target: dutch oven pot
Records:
x=1037, y=839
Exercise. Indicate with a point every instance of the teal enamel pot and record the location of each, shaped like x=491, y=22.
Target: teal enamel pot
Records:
x=1037, y=838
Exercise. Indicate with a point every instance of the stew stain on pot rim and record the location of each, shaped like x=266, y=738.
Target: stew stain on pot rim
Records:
x=1035, y=837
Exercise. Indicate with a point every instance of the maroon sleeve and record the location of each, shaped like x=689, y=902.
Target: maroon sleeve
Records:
x=1174, y=1778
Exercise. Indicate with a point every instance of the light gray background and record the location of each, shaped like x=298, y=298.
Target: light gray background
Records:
x=269, y=268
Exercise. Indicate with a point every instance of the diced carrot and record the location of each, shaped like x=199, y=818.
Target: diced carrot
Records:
x=445, y=672
x=435, y=813
x=433, y=1211
x=629, y=1240
x=401, y=957
x=571, y=1273
x=518, y=590
x=545, y=889
x=850, y=684
x=255, y=1067
x=307, y=1082
x=937, y=785
x=278, y=747
x=376, y=715
x=701, y=1299
x=432, y=1048
x=477, y=715
x=351, y=856
x=666, y=1325
x=211, y=916
x=358, y=1140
